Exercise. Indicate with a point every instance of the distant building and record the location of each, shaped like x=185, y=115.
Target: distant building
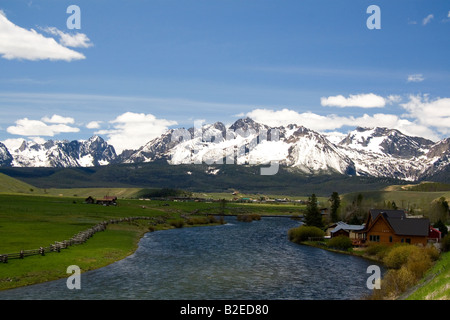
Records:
x=89, y=200
x=348, y=230
x=434, y=235
x=107, y=201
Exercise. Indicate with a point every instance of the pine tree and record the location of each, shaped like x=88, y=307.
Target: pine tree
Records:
x=335, y=203
x=313, y=216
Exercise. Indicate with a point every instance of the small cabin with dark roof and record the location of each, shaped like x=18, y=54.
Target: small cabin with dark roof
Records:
x=393, y=226
x=107, y=201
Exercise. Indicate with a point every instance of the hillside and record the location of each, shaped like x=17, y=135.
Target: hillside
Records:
x=435, y=284
x=197, y=178
x=12, y=185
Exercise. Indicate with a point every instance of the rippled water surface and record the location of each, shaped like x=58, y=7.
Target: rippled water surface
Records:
x=238, y=260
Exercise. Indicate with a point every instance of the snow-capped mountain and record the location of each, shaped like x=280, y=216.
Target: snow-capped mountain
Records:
x=383, y=152
x=5, y=156
x=247, y=142
x=92, y=152
x=376, y=152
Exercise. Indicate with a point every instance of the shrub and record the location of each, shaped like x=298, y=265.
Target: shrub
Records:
x=201, y=220
x=302, y=233
x=377, y=249
x=340, y=243
x=398, y=256
x=178, y=223
x=407, y=263
x=432, y=252
x=445, y=242
x=197, y=220
x=248, y=217
x=418, y=262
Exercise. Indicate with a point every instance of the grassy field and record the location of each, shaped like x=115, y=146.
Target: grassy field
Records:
x=104, y=248
x=32, y=221
x=418, y=201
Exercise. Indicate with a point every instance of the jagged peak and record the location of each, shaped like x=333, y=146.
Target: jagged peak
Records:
x=246, y=124
x=96, y=138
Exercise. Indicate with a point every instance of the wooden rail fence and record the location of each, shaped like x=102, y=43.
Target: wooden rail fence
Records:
x=78, y=238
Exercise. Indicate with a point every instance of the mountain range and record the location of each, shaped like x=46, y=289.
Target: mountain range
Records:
x=371, y=152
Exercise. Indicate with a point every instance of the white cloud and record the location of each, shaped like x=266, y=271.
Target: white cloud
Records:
x=393, y=99
x=58, y=119
x=13, y=144
x=333, y=122
x=77, y=40
x=34, y=128
x=368, y=100
x=427, y=19
x=415, y=78
x=133, y=130
x=94, y=125
x=429, y=113
x=20, y=43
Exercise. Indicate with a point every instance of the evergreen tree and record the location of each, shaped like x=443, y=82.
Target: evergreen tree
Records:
x=313, y=216
x=335, y=203
x=394, y=205
x=441, y=227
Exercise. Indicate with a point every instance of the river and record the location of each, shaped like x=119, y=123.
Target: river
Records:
x=238, y=260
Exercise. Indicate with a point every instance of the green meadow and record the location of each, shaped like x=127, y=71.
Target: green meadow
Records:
x=30, y=221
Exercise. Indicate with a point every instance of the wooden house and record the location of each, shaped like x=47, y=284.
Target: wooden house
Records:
x=107, y=201
x=344, y=229
x=89, y=200
x=392, y=226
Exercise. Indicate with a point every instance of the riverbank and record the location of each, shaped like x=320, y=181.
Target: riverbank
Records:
x=432, y=285
x=117, y=242
x=30, y=222
x=238, y=260
x=353, y=252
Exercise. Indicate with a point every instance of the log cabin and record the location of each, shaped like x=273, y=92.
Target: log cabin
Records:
x=393, y=226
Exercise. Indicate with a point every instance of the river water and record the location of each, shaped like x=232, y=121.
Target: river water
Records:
x=238, y=260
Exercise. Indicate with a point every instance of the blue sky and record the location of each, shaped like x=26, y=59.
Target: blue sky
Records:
x=138, y=67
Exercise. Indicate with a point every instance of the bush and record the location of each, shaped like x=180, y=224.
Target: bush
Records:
x=445, y=242
x=202, y=220
x=432, y=252
x=179, y=223
x=197, y=220
x=248, y=217
x=377, y=249
x=340, y=243
x=302, y=233
x=398, y=256
x=407, y=263
x=418, y=263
